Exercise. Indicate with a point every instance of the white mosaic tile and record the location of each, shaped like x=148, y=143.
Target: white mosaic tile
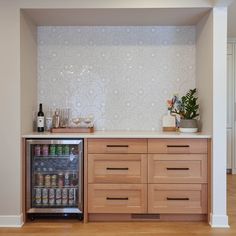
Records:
x=121, y=75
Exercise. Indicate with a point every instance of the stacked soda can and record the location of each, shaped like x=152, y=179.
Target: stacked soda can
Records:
x=51, y=197
x=58, y=196
x=38, y=196
x=64, y=196
x=45, y=196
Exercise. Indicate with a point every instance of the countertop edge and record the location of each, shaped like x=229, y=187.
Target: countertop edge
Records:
x=118, y=134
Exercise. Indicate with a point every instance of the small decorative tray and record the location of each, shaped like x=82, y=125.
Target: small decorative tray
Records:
x=73, y=130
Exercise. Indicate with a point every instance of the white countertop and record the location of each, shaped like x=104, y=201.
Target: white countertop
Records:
x=119, y=134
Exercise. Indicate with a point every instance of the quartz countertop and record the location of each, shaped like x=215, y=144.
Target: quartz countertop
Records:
x=119, y=134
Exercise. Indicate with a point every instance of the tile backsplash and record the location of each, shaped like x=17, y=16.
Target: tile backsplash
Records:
x=121, y=75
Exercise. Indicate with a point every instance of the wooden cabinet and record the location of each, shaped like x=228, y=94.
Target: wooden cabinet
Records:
x=117, y=168
x=177, y=168
x=177, y=198
x=177, y=146
x=147, y=176
x=117, y=146
x=177, y=176
x=117, y=198
x=117, y=176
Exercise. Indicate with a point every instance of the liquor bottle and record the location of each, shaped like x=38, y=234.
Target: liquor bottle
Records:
x=40, y=119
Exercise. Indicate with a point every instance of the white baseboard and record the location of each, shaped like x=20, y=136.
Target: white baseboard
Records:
x=219, y=221
x=11, y=220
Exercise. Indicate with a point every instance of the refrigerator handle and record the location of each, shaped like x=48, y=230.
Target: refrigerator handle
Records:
x=80, y=186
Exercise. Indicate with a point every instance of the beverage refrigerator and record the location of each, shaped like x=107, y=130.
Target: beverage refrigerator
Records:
x=54, y=177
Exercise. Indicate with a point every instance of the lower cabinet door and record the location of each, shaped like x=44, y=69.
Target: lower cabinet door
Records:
x=117, y=198
x=177, y=198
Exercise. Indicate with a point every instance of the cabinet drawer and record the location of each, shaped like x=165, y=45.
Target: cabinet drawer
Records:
x=117, y=146
x=177, y=168
x=117, y=198
x=177, y=146
x=117, y=168
x=177, y=198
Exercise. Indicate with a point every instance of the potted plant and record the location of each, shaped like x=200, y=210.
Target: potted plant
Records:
x=188, y=110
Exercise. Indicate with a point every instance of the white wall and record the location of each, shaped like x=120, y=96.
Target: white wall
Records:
x=28, y=61
x=204, y=71
x=211, y=84
x=219, y=215
x=10, y=120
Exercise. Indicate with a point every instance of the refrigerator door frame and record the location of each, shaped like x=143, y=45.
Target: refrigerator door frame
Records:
x=29, y=208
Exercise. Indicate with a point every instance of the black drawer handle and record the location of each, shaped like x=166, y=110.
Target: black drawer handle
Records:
x=111, y=168
x=118, y=198
x=169, y=168
x=119, y=146
x=178, y=146
x=177, y=198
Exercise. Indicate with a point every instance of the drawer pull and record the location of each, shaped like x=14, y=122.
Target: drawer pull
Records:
x=118, y=198
x=169, y=168
x=177, y=198
x=119, y=146
x=111, y=168
x=178, y=146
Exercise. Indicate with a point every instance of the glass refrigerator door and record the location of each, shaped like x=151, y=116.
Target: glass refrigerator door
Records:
x=56, y=178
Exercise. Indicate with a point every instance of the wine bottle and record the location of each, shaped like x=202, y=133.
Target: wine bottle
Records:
x=40, y=119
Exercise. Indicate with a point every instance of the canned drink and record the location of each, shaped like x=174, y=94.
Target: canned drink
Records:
x=37, y=150
x=52, y=150
x=66, y=150
x=60, y=180
x=54, y=181
x=51, y=197
x=67, y=180
x=45, y=196
x=47, y=181
x=59, y=150
x=39, y=179
x=45, y=150
x=58, y=196
x=71, y=197
x=38, y=196
x=64, y=196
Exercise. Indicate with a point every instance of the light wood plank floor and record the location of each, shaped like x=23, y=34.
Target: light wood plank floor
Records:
x=75, y=228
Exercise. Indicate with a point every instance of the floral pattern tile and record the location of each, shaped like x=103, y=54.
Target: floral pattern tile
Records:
x=120, y=75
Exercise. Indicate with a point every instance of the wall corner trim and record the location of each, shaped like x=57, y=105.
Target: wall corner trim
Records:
x=11, y=220
x=219, y=221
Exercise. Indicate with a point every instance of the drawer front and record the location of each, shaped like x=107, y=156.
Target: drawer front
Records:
x=177, y=168
x=177, y=198
x=117, y=198
x=117, y=168
x=177, y=146
x=117, y=146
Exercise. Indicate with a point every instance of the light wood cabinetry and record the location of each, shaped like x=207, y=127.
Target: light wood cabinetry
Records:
x=117, y=168
x=117, y=198
x=177, y=146
x=117, y=146
x=117, y=176
x=147, y=176
x=175, y=178
x=177, y=168
x=177, y=198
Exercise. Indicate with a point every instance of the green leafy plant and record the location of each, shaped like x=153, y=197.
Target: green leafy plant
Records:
x=189, y=107
x=186, y=107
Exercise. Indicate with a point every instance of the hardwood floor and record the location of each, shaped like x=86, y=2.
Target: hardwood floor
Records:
x=75, y=228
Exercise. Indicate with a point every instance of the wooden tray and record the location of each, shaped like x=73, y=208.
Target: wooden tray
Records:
x=73, y=130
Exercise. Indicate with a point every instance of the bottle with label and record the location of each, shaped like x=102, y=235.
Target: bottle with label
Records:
x=40, y=119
